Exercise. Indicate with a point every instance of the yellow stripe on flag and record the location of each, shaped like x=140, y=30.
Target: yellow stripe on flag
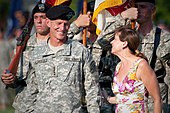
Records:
x=57, y=2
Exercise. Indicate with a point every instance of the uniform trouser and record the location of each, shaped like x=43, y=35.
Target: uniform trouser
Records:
x=168, y=108
x=164, y=96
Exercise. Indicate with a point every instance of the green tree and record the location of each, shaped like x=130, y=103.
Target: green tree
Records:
x=4, y=8
x=163, y=11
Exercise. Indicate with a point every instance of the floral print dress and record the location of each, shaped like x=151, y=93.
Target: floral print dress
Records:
x=130, y=93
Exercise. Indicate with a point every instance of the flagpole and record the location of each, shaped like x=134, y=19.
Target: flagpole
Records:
x=133, y=22
x=84, y=30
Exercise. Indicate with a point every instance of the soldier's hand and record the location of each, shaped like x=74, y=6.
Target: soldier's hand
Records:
x=83, y=20
x=130, y=13
x=8, y=78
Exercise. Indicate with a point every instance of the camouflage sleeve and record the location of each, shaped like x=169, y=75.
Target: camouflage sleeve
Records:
x=26, y=99
x=73, y=30
x=91, y=84
x=23, y=68
x=163, y=48
x=107, y=34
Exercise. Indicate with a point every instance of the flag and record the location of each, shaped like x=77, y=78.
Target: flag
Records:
x=100, y=13
x=57, y=2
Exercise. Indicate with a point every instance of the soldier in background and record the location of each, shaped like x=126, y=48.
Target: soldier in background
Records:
x=86, y=21
x=155, y=45
x=26, y=93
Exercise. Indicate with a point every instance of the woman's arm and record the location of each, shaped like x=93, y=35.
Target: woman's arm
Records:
x=147, y=75
x=112, y=100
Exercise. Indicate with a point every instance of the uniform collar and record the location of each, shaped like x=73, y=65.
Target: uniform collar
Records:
x=149, y=36
x=66, y=51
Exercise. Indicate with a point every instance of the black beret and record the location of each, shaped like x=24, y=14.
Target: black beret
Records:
x=40, y=7
x=150, y=1
x=62, y=12
x=90, y=6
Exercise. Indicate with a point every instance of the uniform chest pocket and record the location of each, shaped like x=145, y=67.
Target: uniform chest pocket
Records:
x=44, y=68
x=68, y=72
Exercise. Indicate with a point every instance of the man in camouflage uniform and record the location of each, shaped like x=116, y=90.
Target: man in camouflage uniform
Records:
x=70, y=72
x=26, y=92
x=148, y=35
x=90, y=70
x=26, y=96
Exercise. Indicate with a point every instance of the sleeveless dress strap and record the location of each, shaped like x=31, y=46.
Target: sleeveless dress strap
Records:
x=137, y=63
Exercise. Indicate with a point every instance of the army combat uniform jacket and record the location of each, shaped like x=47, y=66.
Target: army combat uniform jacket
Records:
x=63, y=77
x=26, y=96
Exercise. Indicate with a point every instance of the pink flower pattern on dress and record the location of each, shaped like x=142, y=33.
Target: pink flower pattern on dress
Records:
x=130, y=93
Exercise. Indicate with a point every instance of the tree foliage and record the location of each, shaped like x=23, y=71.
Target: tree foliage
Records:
x=4, y=9
x=163, y=12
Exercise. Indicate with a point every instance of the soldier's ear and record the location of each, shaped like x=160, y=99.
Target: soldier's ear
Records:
x=48, y=22
x=153, y=9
